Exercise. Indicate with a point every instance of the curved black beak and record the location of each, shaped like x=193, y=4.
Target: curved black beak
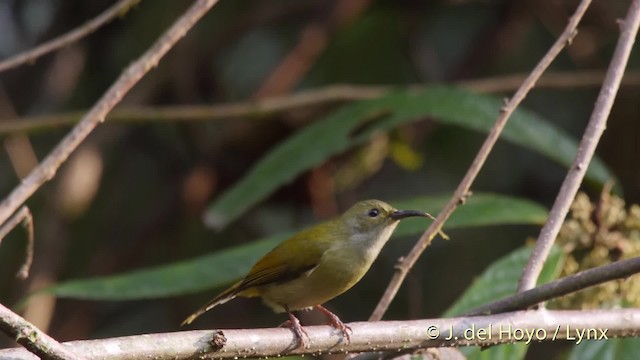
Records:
x=401, y=214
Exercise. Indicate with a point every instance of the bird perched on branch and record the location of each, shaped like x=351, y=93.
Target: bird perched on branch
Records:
x=318, y=264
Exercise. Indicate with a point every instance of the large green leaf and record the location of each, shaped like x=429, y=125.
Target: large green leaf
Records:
x=500, y=279
x=499, y=352
x=182, y=277
x=355, y=123
x=612, y=349
x=497, y=281
x=479, y=210
x=223, y=267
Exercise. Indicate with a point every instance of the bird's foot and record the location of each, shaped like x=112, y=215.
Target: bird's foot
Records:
x=294, y=324
x=335, y=321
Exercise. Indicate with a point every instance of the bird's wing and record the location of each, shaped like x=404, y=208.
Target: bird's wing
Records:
x=289, y=260
x=274, y=274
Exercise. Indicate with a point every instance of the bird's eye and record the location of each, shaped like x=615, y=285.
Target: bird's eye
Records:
x=374, y=212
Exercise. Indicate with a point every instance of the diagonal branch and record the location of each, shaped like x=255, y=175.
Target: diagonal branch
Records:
x=21, y=216
x=30, y=56
x=590, y=139
x=33, y=339
x=463, y=188
x=10, y=323
x=48, y=167
x=567, y=285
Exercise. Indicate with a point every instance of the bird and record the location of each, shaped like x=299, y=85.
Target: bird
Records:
x=317, y=264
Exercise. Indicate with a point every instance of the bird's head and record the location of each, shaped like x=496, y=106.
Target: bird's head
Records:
x=375, y=217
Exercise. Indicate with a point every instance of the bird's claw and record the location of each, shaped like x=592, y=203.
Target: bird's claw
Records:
x=336, y=323
x=294, y=324
x=342, y=327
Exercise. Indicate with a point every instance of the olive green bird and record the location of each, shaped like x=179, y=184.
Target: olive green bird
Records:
x=318, y=264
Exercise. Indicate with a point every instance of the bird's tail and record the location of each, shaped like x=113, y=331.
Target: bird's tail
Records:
x=222, y=298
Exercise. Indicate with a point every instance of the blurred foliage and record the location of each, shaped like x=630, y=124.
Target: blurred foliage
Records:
x=622, y=349
x=133, y=196
x=498, y=281
x=357, y=123
x=597, y=234
x=225, y=266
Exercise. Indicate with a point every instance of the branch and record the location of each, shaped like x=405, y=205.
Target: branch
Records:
x=590, y=139
x=253, y=109
x=463, y=188
x=367, y=336
x=118, y=9
x=550, y=80
x=567, y=285
x=47, y=169
x=302, y=100
x=21, y=216
x=311, y=44
x=33, y=339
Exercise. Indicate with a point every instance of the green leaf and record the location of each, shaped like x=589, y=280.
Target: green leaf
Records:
x=612, y=349
x=355, y=123
x=479, y=210
x=497, y=281
x=499, y=352
x=225, y=266
x=500, y=279
x=182, y=277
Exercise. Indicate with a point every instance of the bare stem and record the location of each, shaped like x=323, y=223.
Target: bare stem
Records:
x=33, y=339
x=48, y=167
x=302, y=100
x=590, y=139
x=252, y=109
x=21, y=216
x=118, y=9
x=463, y=188
x=567, y=285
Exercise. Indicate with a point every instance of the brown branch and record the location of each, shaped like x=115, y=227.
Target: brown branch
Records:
x=463, y=188
x=313, y=41
x=586, y=149
x=253, y=109
x=366, y=336
x=301, y=100
x=118, y=9
x=550, y=80
x=21, y=216
x=33, y=339
x=48, y=167
x=567, y=285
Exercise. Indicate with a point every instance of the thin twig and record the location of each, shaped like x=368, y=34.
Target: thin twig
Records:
x=253, y=109
x=118, y=9
x=519, y=301
x=550, y=80
x=21, y=216
x=367, y=336
x=590, y=139
x=567, y=285
x=312, y=43
x=48, y=167
x=302, y=100
x=463, y=188
x=33, y=339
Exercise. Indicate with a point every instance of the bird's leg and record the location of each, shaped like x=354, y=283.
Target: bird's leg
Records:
x=294, y=324
x=335, y=321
